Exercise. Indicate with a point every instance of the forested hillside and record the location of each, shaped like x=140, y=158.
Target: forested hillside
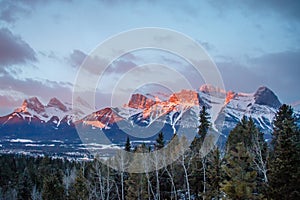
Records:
x=248, y=168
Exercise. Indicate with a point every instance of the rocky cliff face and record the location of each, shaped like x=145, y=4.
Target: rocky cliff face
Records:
x=139, y=101
x=265, y=96
x=32, y=104
x=55, y=103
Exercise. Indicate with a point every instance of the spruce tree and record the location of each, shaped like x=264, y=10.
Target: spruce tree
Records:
x=252, y=139
x=240, y=133
x=53, y=187
x=160, y=141
x=198, y=174
x=127, y=145
x=214, y=175
x=258, y=148
x=204, y=123
x=240, y=182
x=24, y=185
x=79, y=190
x=137, y=183
x=161, y=175
x=284, y=162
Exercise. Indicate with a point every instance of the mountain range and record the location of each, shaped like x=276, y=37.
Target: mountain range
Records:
x=142, y=118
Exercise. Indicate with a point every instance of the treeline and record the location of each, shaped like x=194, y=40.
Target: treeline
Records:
x=248, y=168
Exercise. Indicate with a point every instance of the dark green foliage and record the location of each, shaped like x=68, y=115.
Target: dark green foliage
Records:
x=137, y=184
x=202, y=130
x=248, y=135
x=214, y=175
x=242, y=174
x=53, y=187
x=127, y=145
x=240, y=134
x=198, y=163
x=204, y=122
x=285, y=158
x=160, y=141
x=24, y=186
x=79, y=190
x=196, y=177
x=240, y=182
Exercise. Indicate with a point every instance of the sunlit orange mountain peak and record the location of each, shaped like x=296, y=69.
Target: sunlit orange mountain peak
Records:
x=229, y=96
x=32, y=103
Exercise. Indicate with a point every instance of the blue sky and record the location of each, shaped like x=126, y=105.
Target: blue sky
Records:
x=42, y=43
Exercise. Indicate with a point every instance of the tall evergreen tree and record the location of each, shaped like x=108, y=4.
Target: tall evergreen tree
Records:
x=258, y=149
x=204, y=123
x=285, y=158
x=127, y=145
x=249, y=135
x=160, y=141
x=240, y=182
x=240, y=134
x=198, y=165
x=137, y=183
x=214, y=175
x=162, y=179
x=79, y=190
x=24, y=186
x=53, y=187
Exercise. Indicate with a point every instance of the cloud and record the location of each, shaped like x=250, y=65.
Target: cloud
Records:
x=206, y=45
x=44, y=89
x=239, y=78
x=76, y=58
x=9, y=11
x=279, y=71
x=13, y=49
x=8, y=103
x=119, y=66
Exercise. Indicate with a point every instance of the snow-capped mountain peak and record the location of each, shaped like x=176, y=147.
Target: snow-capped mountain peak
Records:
x=180, y=109
x=54, y=102
x=32, y=107
x=32, y=103
x=265, y=96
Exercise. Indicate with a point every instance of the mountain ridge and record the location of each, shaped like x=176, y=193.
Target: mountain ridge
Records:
x=180, y=110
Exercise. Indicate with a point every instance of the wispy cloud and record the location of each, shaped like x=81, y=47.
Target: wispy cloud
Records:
x=13, y=49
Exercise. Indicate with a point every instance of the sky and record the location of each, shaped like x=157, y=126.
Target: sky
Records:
x=43, y=44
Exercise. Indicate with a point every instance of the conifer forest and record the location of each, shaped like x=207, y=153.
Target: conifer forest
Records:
x=246, y=167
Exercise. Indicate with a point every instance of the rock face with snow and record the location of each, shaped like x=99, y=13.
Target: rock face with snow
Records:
x=139, y=101
x=32, y=104
x=35, y=120
x=55, y=103
x=179, y=111
x=264, y=96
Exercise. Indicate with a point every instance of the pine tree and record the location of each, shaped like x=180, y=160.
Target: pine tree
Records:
x=24, y=186
x=163, y=184
x=240, y=180
x=204, y=122
x=252, y=139
x=53, y=187
x=285, y=158
x=160, y=141
x=127, y=145
x=258, y=149
x=240, y=134
x=79, y=190
x=214, y=175
x=137, y=183
x=198, y=175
